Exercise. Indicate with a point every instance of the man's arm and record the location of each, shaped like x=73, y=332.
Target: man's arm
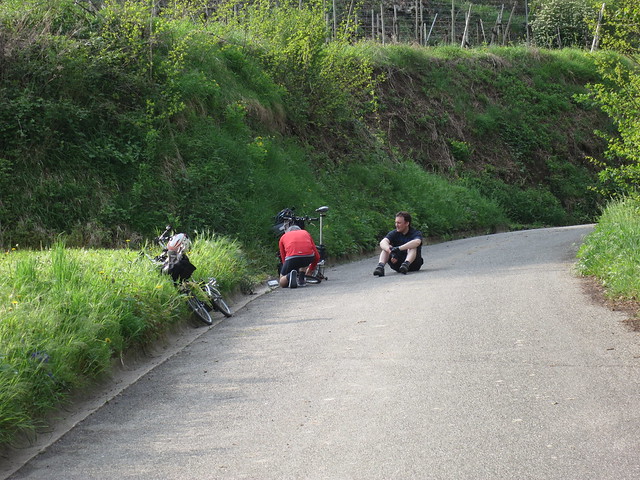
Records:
x=283, y=252
x=415, y=243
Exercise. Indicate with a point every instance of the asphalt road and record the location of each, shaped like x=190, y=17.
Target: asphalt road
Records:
x=490, y=363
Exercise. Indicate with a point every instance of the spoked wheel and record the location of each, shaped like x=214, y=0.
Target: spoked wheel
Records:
x=217, y=301
x=220, y=305
x=199, y=308
x=312, y=280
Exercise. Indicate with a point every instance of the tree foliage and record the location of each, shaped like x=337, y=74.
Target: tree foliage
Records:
x=619, y=96
x=622, y=27
x=562, y=23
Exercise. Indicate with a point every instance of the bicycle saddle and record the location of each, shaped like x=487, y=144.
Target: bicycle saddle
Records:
x=324, y=209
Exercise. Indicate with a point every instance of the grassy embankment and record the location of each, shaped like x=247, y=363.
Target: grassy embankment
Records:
x=611, y=253
x=67, y=313
x=110, y=131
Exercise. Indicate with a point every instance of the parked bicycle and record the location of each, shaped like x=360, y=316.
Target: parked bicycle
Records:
x=202, y=297
x=285, y=219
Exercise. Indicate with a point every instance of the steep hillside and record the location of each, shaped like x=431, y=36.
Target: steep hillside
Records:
x=107, y=135
x=512, y=109
x=498, y=118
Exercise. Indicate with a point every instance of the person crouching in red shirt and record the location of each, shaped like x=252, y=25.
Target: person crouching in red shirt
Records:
x=297, y=250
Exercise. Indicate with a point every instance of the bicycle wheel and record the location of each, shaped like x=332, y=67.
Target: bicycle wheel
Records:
x=199, y=308
x=312, y=280
x=217, y=301
x=220, y=305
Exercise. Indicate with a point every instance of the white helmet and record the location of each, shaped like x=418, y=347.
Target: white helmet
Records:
x=178, y=243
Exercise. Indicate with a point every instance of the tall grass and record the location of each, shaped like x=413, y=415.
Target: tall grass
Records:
x=612, y=251
x=67, y=313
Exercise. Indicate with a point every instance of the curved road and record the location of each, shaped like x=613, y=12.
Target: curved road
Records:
x=490, y=363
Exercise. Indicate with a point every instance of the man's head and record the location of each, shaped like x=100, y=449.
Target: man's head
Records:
x=293, y=228
x=403, y=222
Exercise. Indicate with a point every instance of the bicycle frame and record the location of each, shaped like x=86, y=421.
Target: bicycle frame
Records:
x=290, y=219
x=190, y=288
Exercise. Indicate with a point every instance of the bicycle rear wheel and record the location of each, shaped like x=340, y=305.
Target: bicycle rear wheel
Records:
x=199, y=308
x=312, y=280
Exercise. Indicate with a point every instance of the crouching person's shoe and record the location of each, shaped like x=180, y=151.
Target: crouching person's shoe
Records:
x=293, y=279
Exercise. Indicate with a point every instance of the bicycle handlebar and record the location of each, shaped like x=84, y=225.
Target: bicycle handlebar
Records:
x=304, y=219
x=164, y=236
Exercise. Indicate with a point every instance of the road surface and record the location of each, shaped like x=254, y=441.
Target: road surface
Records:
x=492, y=362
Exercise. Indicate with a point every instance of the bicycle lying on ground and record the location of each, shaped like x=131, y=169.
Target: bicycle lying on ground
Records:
x=202, y=297
x=285, y=219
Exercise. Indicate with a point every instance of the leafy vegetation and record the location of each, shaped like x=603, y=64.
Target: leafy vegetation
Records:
x=618, y=94
x=562, y=23
x=612, y=252
x=118, y=121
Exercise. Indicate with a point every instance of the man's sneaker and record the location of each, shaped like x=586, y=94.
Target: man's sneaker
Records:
x=301, y=280
x=379, y=271
x=293, y=279
x=404, y=268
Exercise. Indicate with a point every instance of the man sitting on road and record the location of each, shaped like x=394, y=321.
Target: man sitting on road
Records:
x=297, y=250
x=401, y=248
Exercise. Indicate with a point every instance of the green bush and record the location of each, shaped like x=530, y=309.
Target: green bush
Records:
x=562, y=23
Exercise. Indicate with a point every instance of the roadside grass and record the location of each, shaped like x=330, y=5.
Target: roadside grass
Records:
x=611, y=253
x=67, y=313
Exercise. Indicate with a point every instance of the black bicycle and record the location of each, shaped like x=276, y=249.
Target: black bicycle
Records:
x=202, y=297
x=285, y=219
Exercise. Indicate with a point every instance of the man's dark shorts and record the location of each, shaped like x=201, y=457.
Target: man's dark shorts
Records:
x=295, y=263
x=402, y=256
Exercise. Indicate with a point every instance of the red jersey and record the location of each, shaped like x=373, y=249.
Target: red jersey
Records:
x=298, y=243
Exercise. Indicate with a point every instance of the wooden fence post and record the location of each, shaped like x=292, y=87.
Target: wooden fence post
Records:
x=382, y=23
x=596, y=37
x=495, y=33
x=466, y=29
x=396, y=31
x=421, y=23
x=416, y=33
x=373, y=21
x=346, y=26
x=506, y=30
x=453, y=22
x=559, y=38
x=526, y=20
x=431, y=29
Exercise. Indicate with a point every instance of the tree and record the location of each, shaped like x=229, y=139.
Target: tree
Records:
x=622, y=26
x=561, y=23
x=619, y=96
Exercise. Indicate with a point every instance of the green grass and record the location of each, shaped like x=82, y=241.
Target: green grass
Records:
x=67, y=313
x=611, y=252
